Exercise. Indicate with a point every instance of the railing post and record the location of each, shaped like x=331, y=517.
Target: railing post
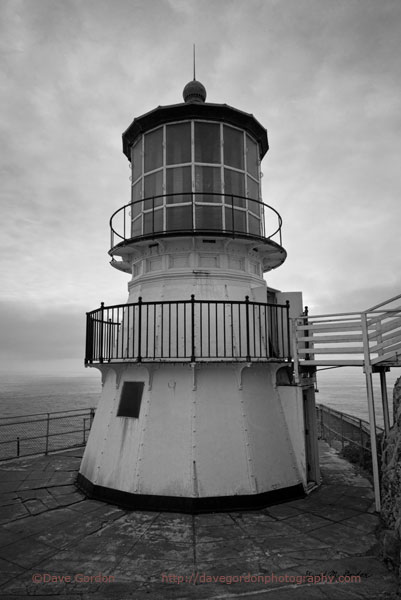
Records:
x=139, y=357
x=89, y=339
x=101, y=332
x=306, y=333
x=248, y=352
x=47, y=433
x=287, y=306
x=371, y=408
x=192, y=327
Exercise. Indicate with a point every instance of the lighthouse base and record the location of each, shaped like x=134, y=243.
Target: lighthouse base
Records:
x=195, y=438
x=188, y=505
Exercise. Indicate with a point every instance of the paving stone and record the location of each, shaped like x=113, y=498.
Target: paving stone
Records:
x=336, y=513
x=213, y=534
x=13, y=512
x=282, y=511
x=307, y=522
x=25, y=554
x=344, y=538
x=8, y=498
x=7, y=537
x=364, y=522
x=286, y=545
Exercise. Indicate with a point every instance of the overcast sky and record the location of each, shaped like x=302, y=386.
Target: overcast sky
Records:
x=324, y=78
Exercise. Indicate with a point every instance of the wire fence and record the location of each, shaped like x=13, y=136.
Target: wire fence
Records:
x=42, y=433
x=348, y=434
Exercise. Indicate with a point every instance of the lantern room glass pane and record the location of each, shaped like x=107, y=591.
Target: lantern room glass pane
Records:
x=137, y=227
x=207, y=143
x=153, y=186
x=233, y=147
x=178, y=143
x=153, y=221
x=178, y=180
x=136, y=159
x=235, y=220
x=178, y=218
x=153, y=150
x=209, y=217
x=234, y=185
x=252, y=158
x=254, y=225
x=253, y=188
x=207, y=181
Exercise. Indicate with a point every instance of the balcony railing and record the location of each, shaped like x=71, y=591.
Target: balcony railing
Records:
x=192, y=213
x=188, y=331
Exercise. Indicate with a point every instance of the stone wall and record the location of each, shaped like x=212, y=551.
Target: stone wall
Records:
x=391, y=487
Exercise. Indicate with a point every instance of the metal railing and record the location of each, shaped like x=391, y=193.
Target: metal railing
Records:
x=42, y=433
x=348, y=434
x=188, y=331
x=351, y=339
x=198, y=213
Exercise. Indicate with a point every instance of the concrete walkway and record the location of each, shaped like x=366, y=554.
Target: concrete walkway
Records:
x=54, y=542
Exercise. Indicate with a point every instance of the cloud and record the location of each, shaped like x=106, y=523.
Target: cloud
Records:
x=323, y=77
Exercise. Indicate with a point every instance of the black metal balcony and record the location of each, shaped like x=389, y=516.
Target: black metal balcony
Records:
x=195, y=213
x=189, y=331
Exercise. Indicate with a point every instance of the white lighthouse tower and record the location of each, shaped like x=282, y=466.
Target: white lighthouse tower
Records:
x=199, y=409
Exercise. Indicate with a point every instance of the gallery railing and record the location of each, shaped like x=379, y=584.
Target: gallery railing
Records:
x=195, y=213
x=188, y=331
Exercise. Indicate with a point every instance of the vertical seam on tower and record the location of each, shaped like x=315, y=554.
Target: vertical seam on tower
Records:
x=245, y=436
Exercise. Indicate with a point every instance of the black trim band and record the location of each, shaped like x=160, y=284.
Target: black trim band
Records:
x=188, y=505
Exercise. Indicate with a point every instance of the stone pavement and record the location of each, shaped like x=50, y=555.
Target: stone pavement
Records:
x=53, y=541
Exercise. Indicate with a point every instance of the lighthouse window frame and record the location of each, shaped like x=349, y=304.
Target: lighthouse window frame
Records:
x=131, y=399
x=229, y=176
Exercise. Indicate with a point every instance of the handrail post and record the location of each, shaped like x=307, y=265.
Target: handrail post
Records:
x=371, y=408
x=248, y=353
x=101, y=332
x=89, y=340
x=287, y=305
x=139, y=357
x=192, y=327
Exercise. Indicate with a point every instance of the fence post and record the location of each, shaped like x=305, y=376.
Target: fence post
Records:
x=101, y=332
x=18, y=447
x=371, y=408
x=248, y=352
x=47, y=433
x=192, y=327
x=84, y=431
x=89, y=339
x=139, y=357
x=287, y=305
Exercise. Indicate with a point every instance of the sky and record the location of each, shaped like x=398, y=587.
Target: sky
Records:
x=324, y=78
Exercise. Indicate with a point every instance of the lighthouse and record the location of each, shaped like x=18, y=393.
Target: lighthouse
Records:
x=200, y=410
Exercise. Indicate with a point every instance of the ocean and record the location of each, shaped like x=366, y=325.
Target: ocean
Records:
x=24, y=394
